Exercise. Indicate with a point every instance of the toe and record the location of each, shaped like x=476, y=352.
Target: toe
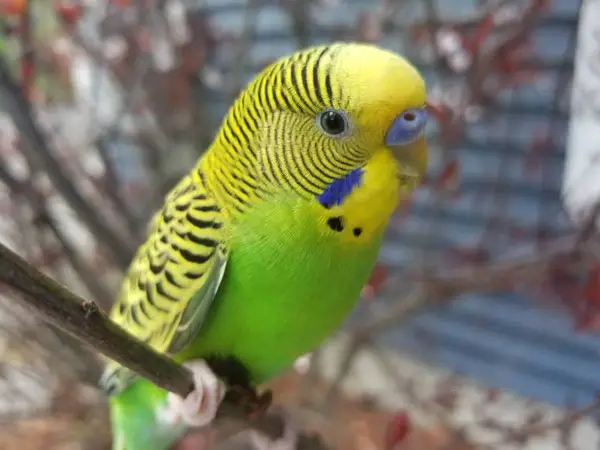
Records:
x=200, y=407
x=288, y=441
x=167, y=414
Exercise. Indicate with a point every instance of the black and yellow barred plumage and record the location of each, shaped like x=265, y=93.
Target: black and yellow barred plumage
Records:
x=187, y=230
x=267, y=143
x=173, y=276
x=278, y=110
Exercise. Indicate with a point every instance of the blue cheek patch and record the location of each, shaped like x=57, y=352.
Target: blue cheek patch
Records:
x=339, y=189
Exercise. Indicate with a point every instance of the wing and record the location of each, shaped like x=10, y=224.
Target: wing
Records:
x=173, y=277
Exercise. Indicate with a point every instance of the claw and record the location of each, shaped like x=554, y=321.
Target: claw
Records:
x=261, y=405
x=200, y=407
x=287, y=441
x=252, y=403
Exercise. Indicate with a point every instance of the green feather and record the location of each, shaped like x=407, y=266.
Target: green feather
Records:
x=133, y=419
x=295, y=266
x=286, y=288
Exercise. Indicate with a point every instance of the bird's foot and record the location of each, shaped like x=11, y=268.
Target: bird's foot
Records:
x=287, y=441
x=200, y=407
x=253, y=403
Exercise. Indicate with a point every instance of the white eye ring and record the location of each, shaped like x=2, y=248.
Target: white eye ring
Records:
x=333, y=123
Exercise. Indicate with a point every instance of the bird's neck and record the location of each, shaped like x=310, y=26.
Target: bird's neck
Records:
x=230, y=175
x=366, y=209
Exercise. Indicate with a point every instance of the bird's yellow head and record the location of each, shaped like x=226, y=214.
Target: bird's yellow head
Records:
x=312, y=118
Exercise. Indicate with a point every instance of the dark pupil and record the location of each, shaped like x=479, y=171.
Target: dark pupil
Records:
x=333, y=122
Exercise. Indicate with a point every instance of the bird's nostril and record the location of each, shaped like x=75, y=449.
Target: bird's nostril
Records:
x=410, y=117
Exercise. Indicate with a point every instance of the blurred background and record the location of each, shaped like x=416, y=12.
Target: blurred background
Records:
x=478, y=328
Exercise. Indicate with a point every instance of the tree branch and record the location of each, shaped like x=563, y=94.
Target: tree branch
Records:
x=85, y=321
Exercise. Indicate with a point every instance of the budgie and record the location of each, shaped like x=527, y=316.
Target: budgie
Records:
x=260, y=252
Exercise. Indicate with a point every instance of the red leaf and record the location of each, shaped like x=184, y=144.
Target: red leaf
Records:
x=419, y=33
x=508, y=64
x=26, y=70
x=473, y=44
x=439, y=111
x=580, y=297
x=396, y=430
x=12, y=7
x=588, y=322
x=539, y=145
x=468, y=255
x=538, y=5
x=69, y=12
x=591, y=289
x=447, y=180
x=378, y=277
x=27, y=76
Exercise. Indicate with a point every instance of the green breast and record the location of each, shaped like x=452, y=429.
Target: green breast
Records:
x=289, y=284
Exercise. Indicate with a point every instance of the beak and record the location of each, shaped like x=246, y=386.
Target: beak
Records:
x=412, y=158
x=410, y=152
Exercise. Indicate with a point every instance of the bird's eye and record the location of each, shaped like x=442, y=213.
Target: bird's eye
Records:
x=411, y=120
x=333, y=123
x=409, y=116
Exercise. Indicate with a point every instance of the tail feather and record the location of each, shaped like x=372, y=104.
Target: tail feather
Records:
x=118, y=443
x=134, y=422
x=116, y=378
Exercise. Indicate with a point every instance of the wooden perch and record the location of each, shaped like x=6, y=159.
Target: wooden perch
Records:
x=85, y=321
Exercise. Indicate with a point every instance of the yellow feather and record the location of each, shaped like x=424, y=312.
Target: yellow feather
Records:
x=269, y=142
x=182, y=254
x=271, y=127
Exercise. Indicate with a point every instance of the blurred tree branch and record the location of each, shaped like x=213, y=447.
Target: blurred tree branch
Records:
x=299, y=11
x=37, y=151
x=493, y=51
x=503, y=275
x=427, y=291
x=45, y=218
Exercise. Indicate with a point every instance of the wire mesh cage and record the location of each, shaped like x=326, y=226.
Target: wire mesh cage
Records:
x=486, y=281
